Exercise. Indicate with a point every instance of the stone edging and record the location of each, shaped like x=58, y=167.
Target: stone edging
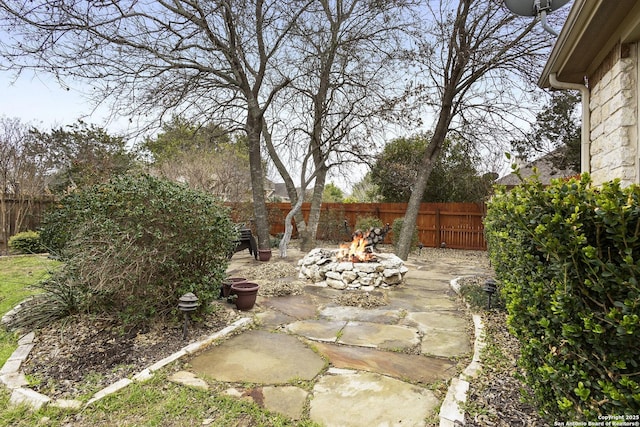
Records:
x=451, y=414
x=15, y=380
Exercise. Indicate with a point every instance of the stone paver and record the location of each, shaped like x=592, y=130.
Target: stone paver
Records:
x=410, y=367
x=390, y=337
x=448, y=321
x=443, y=343
x=188, y=379
x=259, y=357
x=377, y=315
x=287, y=400
x=429, y=280
x=371, y=379
x=355, y=399
x=317, y=330
x=296, y=306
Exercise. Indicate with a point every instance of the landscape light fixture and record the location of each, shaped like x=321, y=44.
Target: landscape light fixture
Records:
x=490, y=288
x=188, y=303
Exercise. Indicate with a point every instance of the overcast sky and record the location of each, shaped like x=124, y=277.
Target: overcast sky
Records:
x=40, y=101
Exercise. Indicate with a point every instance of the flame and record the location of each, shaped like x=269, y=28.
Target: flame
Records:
x=357, y=250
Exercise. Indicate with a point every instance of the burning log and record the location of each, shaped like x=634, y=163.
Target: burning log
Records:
x=372, y=237
x=363, y=244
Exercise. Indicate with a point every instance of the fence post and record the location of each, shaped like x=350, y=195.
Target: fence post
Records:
x=438, y=228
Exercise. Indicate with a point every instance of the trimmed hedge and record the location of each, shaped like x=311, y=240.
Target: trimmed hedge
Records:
x=134, y=245
x=26, y=242
x=568, y=257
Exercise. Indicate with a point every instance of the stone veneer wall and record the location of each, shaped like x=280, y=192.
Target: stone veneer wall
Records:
x=614, y=117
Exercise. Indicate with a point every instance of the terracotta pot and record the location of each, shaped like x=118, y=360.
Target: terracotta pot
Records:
x=246, y=293
x=226, y=285
x=264, y=254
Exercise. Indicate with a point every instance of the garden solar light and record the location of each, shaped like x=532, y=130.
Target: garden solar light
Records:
x=490, y=289
x=188, y=303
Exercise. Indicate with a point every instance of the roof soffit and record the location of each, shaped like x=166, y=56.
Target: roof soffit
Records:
x=592, y=29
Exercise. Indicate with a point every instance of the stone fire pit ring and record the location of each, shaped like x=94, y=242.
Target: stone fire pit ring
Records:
x=322, y=266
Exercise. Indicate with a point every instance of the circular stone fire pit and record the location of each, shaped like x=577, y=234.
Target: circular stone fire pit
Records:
x=322, y=266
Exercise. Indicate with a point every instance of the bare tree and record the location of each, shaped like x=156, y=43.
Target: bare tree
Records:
x=348, y=85
x=208, y=60
x=474, y=58
x=22, y=179
x=204, y=156
x=222, y=173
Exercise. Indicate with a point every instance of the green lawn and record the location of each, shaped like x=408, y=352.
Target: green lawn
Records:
x=16, y=274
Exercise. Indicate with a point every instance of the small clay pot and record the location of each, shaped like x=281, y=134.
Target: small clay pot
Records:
x=245, y=294
x=226, y=285
x=264, y=254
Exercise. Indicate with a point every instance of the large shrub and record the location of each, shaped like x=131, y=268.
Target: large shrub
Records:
x=568, y=257
x=134, y=245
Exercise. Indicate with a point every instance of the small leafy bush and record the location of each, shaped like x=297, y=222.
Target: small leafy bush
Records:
x=475, y=295
x=568, y=257
x=368, y=222
x=26, y=242
x=331, y=226
x=134, y=245
x=396, y=228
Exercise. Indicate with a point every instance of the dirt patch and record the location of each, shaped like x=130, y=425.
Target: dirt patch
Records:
x=361, y=299
x=85, y=353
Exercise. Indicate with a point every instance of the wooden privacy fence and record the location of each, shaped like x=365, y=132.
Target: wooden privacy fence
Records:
x=20, y=214
x=457, y=225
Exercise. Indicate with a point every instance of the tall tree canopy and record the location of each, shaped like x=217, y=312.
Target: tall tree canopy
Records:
x=226, y=62
x=180, y=135
x=313, y=79
x=347, y=85
x=215, y=61
x=556, y=132
x=205, y=157
x=80, y=155
x=454, y=177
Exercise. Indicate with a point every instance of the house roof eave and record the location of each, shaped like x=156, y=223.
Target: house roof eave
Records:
x=592, y=29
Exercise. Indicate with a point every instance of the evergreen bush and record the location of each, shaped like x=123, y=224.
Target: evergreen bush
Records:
x=332, y=227
x=134, y=245
x=26, y=242
x=366, y=223
x=396, y=228
x=568, y=257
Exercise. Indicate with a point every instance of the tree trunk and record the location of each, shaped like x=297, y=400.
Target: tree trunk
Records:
x=309, y=242
x=294, y=197
x=254, y=129
x=426, y=166
x=288, y=227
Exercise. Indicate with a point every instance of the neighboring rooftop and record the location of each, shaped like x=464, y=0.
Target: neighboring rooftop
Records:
x=545, y=168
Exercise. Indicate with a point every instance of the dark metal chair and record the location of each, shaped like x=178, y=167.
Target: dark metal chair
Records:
x=245, y=241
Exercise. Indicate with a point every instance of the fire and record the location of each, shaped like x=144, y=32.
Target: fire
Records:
x=358, y=250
